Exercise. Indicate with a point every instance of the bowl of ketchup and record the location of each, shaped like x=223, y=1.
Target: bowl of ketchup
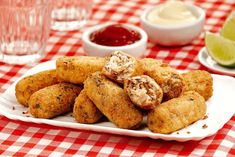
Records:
x=101, y=40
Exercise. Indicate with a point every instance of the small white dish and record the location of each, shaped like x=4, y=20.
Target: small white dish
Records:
x=208, y=62
x=174, y=35
x=220, y=109
x=136, y=49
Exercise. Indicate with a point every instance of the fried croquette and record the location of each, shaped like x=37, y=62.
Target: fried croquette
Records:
x=200, y=81
x=176, y=113
x=84, y=110
x=76, y=69
x=169, y=79
x=143, y=91
x=30, y=84
x=112, y=101
x=53, y=100
x=121, y=66
x=150, y=64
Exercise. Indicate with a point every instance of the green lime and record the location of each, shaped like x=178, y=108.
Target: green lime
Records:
x=222, y=50
x=228, y=29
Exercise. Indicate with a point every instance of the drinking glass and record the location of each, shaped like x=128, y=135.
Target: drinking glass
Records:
x=24, y=29
x=70, y=15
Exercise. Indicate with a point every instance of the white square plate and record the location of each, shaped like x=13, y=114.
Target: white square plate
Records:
x=220, y=108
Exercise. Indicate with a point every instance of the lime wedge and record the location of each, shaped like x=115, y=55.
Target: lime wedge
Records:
x=228, y=29
x=222, y=50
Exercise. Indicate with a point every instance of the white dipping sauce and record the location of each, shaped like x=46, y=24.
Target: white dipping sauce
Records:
x=171, y=13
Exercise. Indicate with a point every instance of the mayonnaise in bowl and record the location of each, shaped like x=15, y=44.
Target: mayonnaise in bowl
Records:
x=171, y=13
x=173, y=23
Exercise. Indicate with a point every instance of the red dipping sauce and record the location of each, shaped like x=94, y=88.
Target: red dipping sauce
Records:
x=115, y=35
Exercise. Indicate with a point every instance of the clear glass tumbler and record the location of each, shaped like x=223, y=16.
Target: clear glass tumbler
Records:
x=70, y=15
x=24, y=29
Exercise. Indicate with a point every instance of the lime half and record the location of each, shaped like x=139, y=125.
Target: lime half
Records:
x=228, y=29
x=222, y=50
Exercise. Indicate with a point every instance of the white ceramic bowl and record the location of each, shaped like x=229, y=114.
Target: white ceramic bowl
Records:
x=174, y=35
x=136, y=49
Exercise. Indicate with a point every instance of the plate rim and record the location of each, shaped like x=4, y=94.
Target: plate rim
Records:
x=204, y=63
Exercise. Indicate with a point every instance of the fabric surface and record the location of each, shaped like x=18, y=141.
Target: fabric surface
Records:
x=28, y=139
